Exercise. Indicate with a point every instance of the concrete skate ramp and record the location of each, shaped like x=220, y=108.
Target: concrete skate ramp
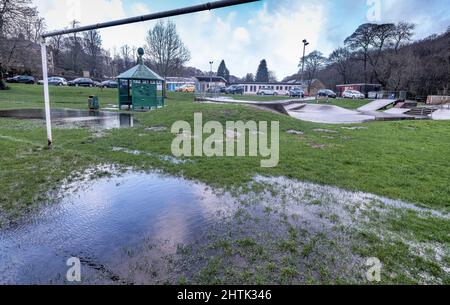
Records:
x=441, y=114
x=376, y=105
x=397, y=110
x=328, y=114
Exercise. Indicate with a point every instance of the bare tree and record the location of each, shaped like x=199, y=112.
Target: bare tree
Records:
x=313, y=63
x=342, y=59
x=93, y=47
x=126, y=52
x=360, y=42
x=165, y=49
x=13, y=13
x=402, y=34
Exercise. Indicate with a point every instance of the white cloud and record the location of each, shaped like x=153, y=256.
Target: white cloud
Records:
x=60, y=13
x=275, y=35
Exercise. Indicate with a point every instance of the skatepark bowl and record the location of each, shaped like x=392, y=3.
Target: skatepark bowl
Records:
x=74, y=118
x=306, y=110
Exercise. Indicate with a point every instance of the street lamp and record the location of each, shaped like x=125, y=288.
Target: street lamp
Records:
x=305, y=43
x=210, y=73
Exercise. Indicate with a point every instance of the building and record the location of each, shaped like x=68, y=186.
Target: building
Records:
x=173, y=83
x=140, y=88
x=363, y=88
x=282, y=88
x=203, y=83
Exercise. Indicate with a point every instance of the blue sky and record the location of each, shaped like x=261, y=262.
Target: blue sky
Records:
x=243, y=35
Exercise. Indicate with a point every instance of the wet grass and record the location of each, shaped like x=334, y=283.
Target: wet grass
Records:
x=403, y=160
x=399, y=160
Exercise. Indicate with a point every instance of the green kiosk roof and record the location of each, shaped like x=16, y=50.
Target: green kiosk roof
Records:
x=140, y=72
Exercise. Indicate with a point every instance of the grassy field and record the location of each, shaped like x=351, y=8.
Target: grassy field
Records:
x=399, y=160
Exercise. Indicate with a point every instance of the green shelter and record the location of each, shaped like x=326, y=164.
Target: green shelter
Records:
x=140, y=88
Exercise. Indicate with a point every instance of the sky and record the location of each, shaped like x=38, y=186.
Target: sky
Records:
x=245, y=34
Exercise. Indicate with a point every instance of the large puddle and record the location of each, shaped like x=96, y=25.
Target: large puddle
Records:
x=74, y=118
x=99, y=220
x=149, y=228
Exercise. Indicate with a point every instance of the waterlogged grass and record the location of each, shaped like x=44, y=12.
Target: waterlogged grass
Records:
x=399, y=160
x=404, y=160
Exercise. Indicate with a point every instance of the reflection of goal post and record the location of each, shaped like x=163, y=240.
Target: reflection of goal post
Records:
x=177, y=12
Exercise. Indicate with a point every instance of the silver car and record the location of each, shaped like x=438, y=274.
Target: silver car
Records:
x=267, y=91
x=55, y=81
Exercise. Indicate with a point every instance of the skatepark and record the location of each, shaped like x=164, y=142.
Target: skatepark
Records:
x=377, y=110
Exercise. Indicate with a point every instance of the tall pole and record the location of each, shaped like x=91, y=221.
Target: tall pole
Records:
x=210, y=74
x=305, y=43
x=48, y=121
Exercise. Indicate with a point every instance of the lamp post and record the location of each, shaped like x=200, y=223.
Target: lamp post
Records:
x=210, y=73
x=305, y=43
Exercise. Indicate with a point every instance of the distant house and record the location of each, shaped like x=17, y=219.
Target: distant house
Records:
x=363, y=88
x=203, y=83
x=173, y=83
x=282, y=88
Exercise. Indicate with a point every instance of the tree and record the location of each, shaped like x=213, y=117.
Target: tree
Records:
x=93, y=47
x=402, y=34
x=165, y=49
x=262, y=75
x=249, y=78
x=223, y=71
x=126, y=51
x=74, y=45
x=313, y=63
x=272, y=77
x=360, y=42
x=342, y=58
x=56, y=45
x=13, y=14
x=18, y=19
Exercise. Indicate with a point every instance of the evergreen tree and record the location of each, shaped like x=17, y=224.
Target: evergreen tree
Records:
x=249, y=78
x=262, y=76
x=223, y=71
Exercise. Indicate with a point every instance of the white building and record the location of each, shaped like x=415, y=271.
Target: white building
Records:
x=282, y=88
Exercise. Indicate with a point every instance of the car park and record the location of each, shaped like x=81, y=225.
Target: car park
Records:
x=21, y=79
x=353, y=94
x=82, y=82
x=55, y=81
x=296, y=92
x=267, y=91
x=186, y=88
x=109, y=84
x=234, y=89
x=326, y=93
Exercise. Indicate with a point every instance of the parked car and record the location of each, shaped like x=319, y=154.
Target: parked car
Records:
x=353, y=94
x=296, y=92
x=21, y=79
x=327, y=93
x=82, y=82
x=215, y=89
x=186, y=88
x=109, y=84
x=267, y=91
x=234, y=89
x=55, y=81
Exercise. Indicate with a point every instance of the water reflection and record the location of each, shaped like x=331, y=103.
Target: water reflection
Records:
x=75, y=118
